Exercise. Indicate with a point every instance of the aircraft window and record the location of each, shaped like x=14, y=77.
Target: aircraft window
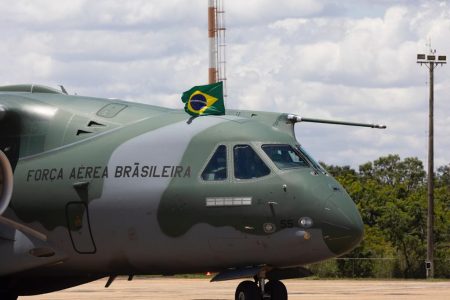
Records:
x=316, y=165
x=285, y=156
x=247, y=164
x=217, y=165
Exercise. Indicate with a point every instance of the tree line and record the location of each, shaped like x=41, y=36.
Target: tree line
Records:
x=391, y=195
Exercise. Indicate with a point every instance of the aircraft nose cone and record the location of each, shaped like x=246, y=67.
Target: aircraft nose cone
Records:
x=342, y=226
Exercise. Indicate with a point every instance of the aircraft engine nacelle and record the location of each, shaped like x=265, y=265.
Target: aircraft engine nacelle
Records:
x=6, y=182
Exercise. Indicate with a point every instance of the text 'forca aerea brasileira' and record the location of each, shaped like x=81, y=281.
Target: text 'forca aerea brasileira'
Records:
x=100, y=172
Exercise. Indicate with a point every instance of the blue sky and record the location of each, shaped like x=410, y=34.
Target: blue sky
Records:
x=349, y=60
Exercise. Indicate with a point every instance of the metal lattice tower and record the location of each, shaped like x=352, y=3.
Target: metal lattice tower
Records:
x=221, y=45
x=217, y=43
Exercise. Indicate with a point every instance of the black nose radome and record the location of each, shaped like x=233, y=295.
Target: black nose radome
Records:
x=342, y=226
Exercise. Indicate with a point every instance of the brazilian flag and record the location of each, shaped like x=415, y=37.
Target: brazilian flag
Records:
x=204, y=100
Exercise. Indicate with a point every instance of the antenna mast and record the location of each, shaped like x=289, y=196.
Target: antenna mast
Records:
x=217, y=44
x=212, y=71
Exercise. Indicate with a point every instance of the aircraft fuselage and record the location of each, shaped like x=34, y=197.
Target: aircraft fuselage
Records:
x=107, y=187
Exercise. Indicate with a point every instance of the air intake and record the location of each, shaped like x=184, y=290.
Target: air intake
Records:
x=6, y=182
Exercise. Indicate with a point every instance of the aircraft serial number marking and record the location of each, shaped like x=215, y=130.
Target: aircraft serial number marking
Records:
x=101, y=172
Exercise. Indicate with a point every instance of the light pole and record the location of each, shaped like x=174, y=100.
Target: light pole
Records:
x=430, y=61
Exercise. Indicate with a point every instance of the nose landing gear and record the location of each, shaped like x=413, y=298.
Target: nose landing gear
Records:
x=277, y=290
x=251, y=290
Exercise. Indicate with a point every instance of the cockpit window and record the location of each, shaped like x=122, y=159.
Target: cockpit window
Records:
x=216, y=169
x=285, y=156
x=315, y=164
x=247, y=164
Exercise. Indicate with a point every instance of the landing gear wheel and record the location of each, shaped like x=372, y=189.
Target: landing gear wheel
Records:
x=277, y=290
x=247, y=290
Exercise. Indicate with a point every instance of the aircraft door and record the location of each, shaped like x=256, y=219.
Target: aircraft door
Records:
x=79, y=228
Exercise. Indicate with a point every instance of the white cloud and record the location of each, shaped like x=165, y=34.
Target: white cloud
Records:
x=251, y=12
x=37, y=12
x=351, y=60
x=364, y=70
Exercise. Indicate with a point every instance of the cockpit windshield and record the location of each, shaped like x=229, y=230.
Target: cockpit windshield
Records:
x=285, y=156
x=315, y=164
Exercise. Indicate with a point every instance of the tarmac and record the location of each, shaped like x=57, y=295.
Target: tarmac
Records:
x=202, y=289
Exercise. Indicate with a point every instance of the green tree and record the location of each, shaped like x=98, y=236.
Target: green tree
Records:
x=391, y=195
x=442, y=222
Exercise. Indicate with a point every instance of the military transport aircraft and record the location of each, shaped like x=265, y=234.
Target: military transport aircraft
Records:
x=93, y=188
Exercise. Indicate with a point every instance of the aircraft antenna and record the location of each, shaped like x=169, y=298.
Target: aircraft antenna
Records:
x=217, y=43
